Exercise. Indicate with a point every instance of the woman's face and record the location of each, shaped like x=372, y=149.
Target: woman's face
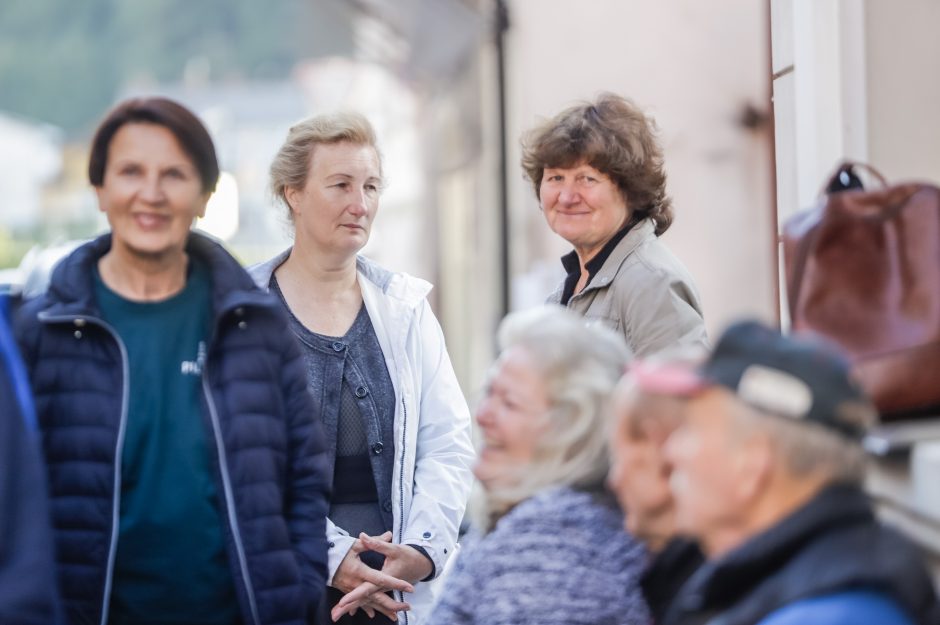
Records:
x=151, y=191
x=334, y=210
x=511, y=417
x=583, y=206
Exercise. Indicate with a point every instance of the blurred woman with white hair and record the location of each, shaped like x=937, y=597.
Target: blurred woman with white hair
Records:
x=552, y=547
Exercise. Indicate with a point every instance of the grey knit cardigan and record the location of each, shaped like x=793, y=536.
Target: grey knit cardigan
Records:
x=561, y=557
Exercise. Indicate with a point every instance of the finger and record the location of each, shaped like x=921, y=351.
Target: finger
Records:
x=386, y=537
x=388, y=606
x=358, y=547
x=337, y=613
x=369, y=611
x=357, y=595
x=385, y=548
x=386, y=581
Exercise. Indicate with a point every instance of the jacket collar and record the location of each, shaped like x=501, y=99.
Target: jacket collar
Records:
x=635, y=236
x=639, y=234
x=71, y=288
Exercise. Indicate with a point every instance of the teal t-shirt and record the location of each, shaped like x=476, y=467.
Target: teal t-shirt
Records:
x=171, y=564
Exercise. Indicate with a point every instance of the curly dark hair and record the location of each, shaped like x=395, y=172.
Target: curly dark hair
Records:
x=613, y=136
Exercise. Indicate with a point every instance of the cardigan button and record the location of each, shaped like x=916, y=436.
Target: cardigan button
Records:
x=426, y=534
x=338, y=346
x=387, y=506
x=80, y=323
x=377, y=448
x=361, y=392
x=242, y=325
x=78, y=334
x=239, y=311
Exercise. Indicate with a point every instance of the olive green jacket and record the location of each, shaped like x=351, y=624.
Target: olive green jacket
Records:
x=644, y=292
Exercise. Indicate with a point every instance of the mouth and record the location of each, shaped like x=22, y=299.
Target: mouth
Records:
x=151, y=221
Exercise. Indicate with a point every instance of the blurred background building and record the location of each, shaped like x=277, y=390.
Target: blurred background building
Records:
x=756, y=101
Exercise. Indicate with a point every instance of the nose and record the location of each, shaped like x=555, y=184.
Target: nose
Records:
x=359, y=206
x=151, y=190
x=484, y=413
x=568, y=194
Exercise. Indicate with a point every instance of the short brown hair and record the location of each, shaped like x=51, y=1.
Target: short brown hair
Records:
x=613, y=136
x=183, y=123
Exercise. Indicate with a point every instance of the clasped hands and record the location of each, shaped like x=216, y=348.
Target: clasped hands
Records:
x=365, y=587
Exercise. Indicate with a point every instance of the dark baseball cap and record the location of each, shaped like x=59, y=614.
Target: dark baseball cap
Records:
x=802, y=378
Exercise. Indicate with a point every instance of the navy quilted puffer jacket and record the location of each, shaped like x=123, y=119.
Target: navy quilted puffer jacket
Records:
x=267, y=446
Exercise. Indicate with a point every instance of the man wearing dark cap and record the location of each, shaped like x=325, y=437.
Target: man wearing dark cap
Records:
x=767, y=472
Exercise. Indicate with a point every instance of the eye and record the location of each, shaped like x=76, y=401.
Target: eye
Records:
x=175, y=174
x=511, y=403
x=342, y=185
x=371, y=187
x=554, y=178
x=129, y=170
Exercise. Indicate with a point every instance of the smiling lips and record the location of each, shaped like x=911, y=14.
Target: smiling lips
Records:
x=151, y=221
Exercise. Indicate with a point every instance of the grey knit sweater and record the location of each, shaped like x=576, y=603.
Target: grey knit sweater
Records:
x=560, y=557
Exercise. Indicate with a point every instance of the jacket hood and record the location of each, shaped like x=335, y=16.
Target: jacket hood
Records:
x=409, y=290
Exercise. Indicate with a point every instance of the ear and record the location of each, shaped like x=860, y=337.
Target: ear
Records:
x=99, y=192
x=203, y=204
x=292, y=196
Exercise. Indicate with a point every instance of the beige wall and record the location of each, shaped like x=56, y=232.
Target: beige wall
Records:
x=694, y=66
x=903, y=74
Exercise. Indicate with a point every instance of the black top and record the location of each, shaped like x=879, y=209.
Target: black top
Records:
x=573, y=266
x=668, y=571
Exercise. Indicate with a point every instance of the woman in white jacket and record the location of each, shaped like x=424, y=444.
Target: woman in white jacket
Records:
x=396, y=421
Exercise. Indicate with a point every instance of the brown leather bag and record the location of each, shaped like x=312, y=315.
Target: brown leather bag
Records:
x=863, y=269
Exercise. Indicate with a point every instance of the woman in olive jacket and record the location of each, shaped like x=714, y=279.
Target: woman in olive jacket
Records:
x=597, y=169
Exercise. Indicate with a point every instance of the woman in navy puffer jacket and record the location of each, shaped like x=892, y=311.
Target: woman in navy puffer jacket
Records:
x=186, y=467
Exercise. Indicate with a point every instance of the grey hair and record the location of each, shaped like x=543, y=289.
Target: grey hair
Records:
x=806, y=448
x=580, y=364
x=291, y=165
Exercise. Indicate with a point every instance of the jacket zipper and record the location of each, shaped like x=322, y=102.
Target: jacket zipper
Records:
x=401, y=486
x=118, y=455
x=229, y=498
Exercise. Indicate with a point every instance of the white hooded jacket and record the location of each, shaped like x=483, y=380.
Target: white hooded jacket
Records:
x=432, y=475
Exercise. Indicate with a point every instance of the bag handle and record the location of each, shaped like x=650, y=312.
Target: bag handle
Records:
x=847, y=166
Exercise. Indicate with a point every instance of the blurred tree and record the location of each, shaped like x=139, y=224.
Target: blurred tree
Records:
x=64, y=62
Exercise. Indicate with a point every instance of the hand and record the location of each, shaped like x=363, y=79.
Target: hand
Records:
x=352, y=574
x=401, y=562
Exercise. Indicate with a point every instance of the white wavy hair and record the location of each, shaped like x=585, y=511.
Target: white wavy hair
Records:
x=580, y=363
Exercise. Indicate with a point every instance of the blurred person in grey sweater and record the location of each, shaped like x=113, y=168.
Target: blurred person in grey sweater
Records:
x=552, y=547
